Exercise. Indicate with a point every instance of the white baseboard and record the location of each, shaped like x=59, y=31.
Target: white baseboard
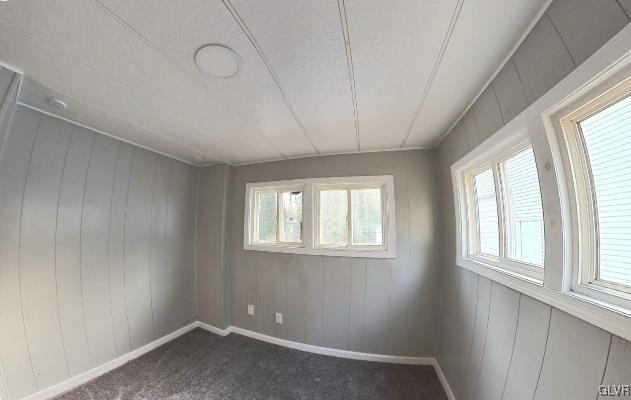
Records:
x=327, y=351
x=214, y=329
x=443, y=381
x=84, y=377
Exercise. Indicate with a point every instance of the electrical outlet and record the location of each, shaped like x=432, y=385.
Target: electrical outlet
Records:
x=250, y=309
x=279, y=318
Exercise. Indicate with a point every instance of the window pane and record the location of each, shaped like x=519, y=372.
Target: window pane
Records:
x=291, y=217
x=333, y=217
x=484, y=192
x=266, y=217
x=524, y=213
x=367, y=218
x=607, y=137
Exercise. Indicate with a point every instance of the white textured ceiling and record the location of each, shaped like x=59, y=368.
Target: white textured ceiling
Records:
x=317, y=77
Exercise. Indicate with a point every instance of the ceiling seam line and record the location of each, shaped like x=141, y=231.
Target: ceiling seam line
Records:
x=248, y=33
x=439, y=59
x=346, y=34
x=161, y=52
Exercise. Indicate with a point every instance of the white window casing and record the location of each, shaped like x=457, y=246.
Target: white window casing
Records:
x=310, y=216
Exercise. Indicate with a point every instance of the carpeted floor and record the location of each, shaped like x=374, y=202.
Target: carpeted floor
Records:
x=200, y=365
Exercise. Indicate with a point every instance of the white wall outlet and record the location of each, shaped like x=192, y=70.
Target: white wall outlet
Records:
x=250, y=309
x=279, y=318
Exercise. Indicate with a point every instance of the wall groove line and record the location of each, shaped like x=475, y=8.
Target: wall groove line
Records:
x=61, y=181
x=510, y=363
x=85, y=183
x=28, y=346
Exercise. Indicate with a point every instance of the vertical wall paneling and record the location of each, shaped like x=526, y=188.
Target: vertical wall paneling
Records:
x=563, y=363
x=315, y=291
x=357, y=311
x=531, y=339
x=478, y=344
x=14, y=350
x=510, y=94
x=95, y=224
x=137, y=234
x=37, y=252
x=579, y=22
x=68, y=251
x=542, y=60
x=83, y=238
x=500, y=339
x=335, y=310
x=157, y=254
x=117, y=248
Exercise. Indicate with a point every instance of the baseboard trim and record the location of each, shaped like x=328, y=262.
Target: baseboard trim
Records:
x=443, y=381
x=86, y=376
x=327, y=351
x=214, y=329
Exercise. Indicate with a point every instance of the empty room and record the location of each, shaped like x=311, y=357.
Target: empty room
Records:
x=331, y=199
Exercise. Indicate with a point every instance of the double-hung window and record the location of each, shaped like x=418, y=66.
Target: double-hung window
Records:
x=342, y=216
x=502, y=211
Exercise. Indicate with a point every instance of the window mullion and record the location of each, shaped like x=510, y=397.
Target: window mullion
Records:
x=277, y=218
x=349, y=219
x=501, y=215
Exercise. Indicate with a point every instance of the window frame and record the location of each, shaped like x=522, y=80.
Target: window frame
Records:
x=581, y=191
x=348, y=187
x=537, y=120
x=463, y=177
x=310, y=214
x=278, y=190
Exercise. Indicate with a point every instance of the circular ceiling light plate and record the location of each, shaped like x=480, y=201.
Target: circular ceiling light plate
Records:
x=218, y=61
x=57, y=103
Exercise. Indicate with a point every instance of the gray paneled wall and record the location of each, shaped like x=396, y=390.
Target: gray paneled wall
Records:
x=495, y=343
x=213, y=277
x=96, y=255
x=369, y=305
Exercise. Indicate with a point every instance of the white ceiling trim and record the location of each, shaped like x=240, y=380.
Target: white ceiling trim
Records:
x=506, y=60
x=443, y=49
x=248, y=33
x=341, y=5
x=195, y=79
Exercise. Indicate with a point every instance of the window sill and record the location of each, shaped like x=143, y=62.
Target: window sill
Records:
x=334, y=252
x=609, y=317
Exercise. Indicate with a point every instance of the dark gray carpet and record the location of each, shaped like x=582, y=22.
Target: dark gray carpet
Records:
x=200, y=365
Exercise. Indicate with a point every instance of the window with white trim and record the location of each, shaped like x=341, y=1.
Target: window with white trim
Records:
x=342, y=216
x=502, y=210
x=350, y=216
x=597, y=133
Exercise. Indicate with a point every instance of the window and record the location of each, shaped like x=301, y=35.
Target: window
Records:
x=504, y=212
x=485, y=218
x=579, y=133
x=278, y=217
x=351, y=216
x=598, y=138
